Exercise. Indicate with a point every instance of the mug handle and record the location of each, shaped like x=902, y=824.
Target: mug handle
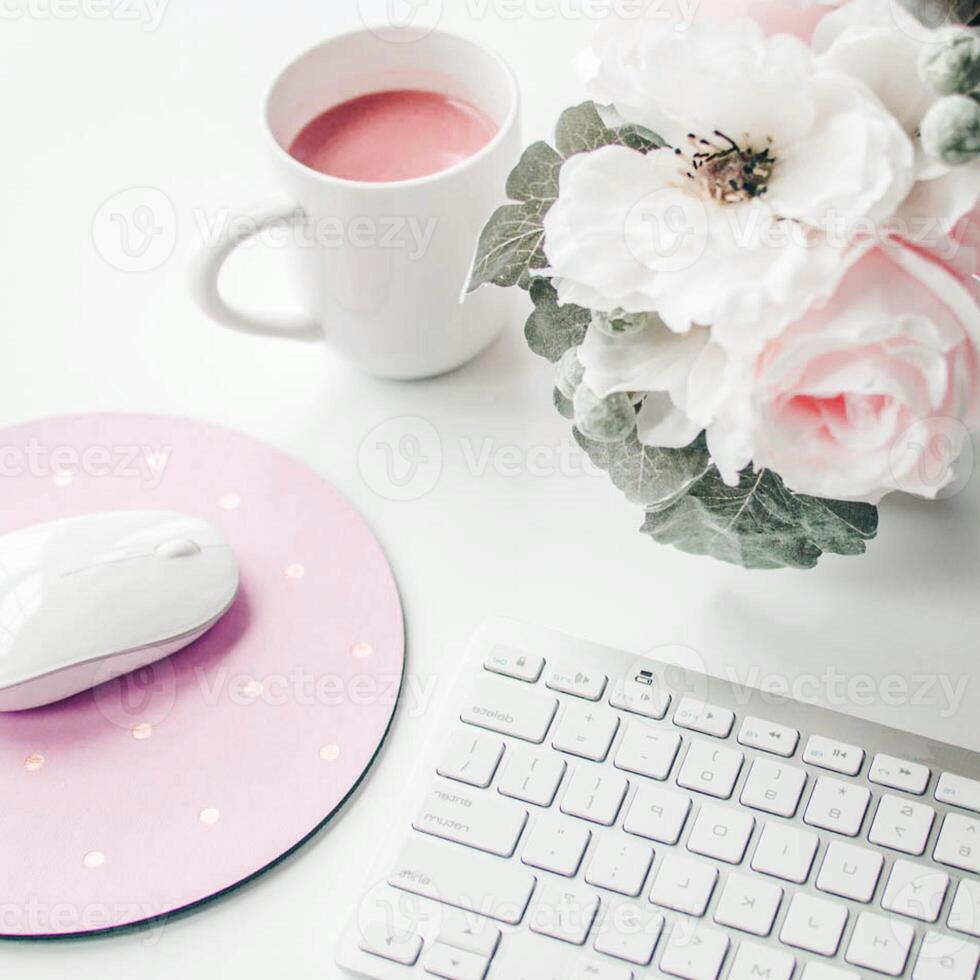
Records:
x=207, y=264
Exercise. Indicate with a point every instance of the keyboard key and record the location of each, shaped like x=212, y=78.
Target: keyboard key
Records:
x=620, y=864
x=837, y=806
x=749, y=904
x=835, y=756
x=704, y=718
x=594, y=970
x=510, y=709
x=964, y=916
x=657, y=814
x=915, y=891
x=532, y=777
x=587, y=684
x=959, y=791
x=390, y=943
x=474, y=819
x=945, y=957
x=959, y=843
x=647, y=751
x=684, y=885
x=640, y=694
x=556, y=845
x=630, y=933
x=722, y=834
x=850, y=872
x=880, y=944
x=595, y=795
x=774, y=787
x=753, y=961
x=587, y=732
x=513, y=663
x=471, y=759
x=894, y=773
x=454, y=964
x=468, y=932
x=564, y=911
x=814, y=924
x=820, y=971
x=694, y=953
x=466, y=880
x=756, y=733
x=785, y=852
x=711, y=769
x=902, y=825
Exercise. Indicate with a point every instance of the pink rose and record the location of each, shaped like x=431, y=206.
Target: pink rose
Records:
x=870, y=393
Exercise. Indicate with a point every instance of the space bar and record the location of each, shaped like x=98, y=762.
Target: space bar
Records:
x=469, y=881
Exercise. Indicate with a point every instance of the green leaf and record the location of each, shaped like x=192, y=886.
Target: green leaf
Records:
x=581, y=130
x=563, y=404
x=535, y=178
x=511, y=246
x=552, y=329
x=760, y=523
x=648, y=476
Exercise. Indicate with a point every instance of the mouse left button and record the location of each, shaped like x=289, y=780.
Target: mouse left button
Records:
x=178, y=548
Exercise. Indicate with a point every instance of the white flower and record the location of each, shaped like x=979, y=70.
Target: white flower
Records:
x=630, y=231
x=839, y=154
x=683, y=376
x=766, y=153
x=881, y=44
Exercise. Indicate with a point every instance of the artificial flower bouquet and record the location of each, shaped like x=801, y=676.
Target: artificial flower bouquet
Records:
x=753, y=261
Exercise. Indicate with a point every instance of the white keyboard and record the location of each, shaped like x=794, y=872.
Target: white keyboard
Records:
x=585, y=815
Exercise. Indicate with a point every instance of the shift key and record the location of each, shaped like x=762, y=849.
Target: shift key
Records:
x=475, y=819
x=509, y=708
x=466, y=880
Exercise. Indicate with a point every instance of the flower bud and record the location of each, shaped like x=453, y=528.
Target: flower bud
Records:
x=954, y=66
x=619, y=322
x=569, y=373
x=609, y=419
x=951, y=130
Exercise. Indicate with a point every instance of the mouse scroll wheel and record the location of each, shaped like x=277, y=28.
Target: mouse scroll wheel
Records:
x=178, y=548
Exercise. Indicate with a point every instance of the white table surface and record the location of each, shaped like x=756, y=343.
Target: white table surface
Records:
x=91, y=107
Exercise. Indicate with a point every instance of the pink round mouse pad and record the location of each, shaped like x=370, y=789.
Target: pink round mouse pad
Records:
x=166, y=787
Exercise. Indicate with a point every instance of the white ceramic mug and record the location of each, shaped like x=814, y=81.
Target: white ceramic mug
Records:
x=386, y=264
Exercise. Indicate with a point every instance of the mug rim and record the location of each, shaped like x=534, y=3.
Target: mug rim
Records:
x=473, y=160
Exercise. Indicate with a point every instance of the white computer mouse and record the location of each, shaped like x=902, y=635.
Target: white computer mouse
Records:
x=85, y=599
